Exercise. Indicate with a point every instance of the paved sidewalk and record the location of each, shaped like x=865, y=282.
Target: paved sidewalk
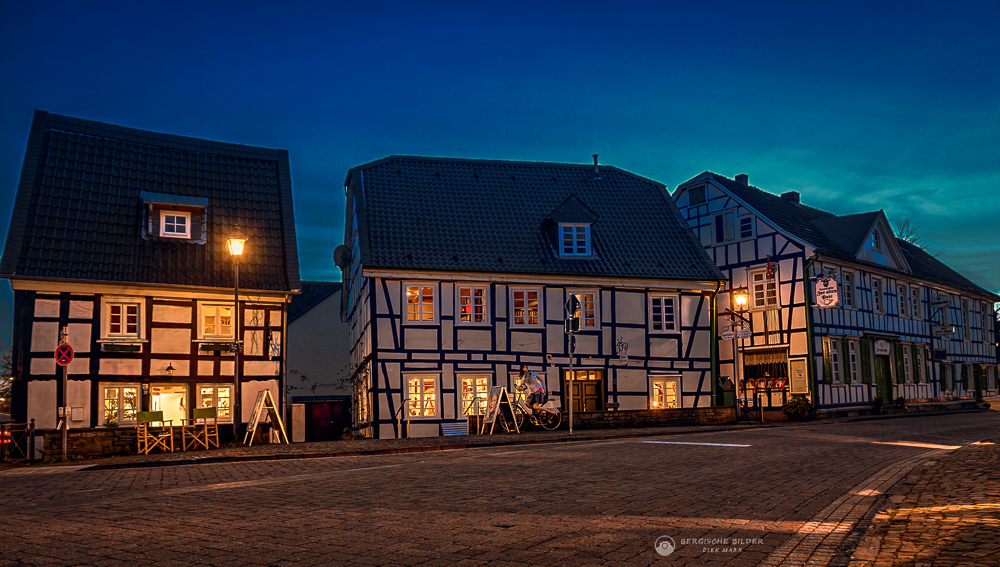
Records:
x=947, y=514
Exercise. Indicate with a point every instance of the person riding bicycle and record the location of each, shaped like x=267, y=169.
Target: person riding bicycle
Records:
x=536, y=389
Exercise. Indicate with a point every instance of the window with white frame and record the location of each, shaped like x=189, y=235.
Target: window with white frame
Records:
x=216, y=320
x=877, y=299
x=725, y=227
x=831, y=352
x=907, y=370
x=472, y=304
x=588, y=311
x=218, y=396
x=664, y=392
x=764, y=288
x=574, y=239
x=420, y=303
x=915, y=302
x=122, y=318
x=120, y=403
x=422, y=391
x=527, y=307
x=847, y=291
x=664, y=313
x=175, y=224
x=475, y=391
x=901, y=300
x=852, y=354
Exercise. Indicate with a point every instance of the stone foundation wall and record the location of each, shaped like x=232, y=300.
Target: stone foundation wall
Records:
x=651, y=418
x=98, y=442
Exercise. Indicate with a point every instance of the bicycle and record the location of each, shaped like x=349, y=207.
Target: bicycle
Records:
x=542, y=419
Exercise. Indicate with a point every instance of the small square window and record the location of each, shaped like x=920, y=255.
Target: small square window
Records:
x=527, y=307
x=663, y=314
x=664, y=393
x=588, y=312
x=175, y=224
x=217, y=321
x=420, y=303
x=472, y=304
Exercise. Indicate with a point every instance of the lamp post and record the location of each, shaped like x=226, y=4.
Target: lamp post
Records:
x=739, y=300
x=235, y=243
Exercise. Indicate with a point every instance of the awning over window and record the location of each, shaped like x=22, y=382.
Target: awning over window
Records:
x=765, y=356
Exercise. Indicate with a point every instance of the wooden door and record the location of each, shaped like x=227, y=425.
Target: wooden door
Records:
x=588, y=390
x=883, y=379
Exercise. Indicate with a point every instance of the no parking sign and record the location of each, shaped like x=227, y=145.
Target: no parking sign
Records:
x=64, y=355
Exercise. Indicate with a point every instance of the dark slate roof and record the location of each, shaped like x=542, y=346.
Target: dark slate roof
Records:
x=427, y=213
x=79, y=208
x=313, y=293
x=837, y=235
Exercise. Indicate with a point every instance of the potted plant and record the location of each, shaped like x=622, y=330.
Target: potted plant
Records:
x=797, y=408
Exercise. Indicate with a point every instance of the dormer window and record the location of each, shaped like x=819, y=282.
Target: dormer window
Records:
x=574, y=239
x=876, y=244
x=175, y=224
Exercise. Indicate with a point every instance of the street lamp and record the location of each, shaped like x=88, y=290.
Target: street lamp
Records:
x=739, y=300
x=236, y=243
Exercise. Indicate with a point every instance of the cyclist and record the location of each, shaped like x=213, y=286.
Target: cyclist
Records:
x=536, y=390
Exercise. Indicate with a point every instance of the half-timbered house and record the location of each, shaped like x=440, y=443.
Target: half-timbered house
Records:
x=457, y=271
x=906, y=327
x=117, y=247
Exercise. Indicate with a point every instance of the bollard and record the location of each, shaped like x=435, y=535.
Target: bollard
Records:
x=31, y=441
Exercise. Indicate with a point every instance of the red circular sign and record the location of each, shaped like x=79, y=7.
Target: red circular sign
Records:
x=64, y=355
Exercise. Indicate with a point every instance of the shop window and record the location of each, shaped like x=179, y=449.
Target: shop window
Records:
x=218, y=396
x=171, y=400
x=120, y=403
x=422, y=391
x=472, y=304
x=526, y=305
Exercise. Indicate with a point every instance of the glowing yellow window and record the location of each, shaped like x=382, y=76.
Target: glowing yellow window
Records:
x=422, y=392
x=663, y=394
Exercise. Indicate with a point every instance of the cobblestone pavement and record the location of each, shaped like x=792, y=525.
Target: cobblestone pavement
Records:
x=791, y=495
x=947, y=515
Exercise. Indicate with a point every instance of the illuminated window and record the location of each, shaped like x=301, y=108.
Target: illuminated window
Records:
x=831, y=355
x=120, y=403
x=475, y=390
x=664, y=393
x=764, y=288
x=472, y=304
x=574, y=239
x=663, y=314
x=171, y=399
x=589, y=317
x=422, y=391
x=420, y=304
x=175, y=224
x=526, y=304
x=217, y=321
x=218, y=396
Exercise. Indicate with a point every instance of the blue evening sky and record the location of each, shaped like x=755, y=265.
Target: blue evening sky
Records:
x=858, y=106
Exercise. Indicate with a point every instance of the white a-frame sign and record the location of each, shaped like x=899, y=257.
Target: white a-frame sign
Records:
x=265, y=401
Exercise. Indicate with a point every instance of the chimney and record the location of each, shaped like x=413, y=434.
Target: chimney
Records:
x=791, y=197
x=743, y=179
x=597, y=173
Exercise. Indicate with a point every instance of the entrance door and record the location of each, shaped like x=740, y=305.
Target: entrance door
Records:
x=588, y=390
x=883, y=379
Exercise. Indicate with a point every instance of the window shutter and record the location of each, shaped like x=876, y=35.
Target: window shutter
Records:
x=927, y=364
x=899, y=364
x=827, y=369
x=866, y=362
x=913, y=364
x=845, y=349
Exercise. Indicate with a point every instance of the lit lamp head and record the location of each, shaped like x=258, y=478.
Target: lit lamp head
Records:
x=741, y=297
x=236, y=242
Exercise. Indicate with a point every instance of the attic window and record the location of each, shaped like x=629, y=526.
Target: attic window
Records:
x=696, y=196
x=175, y=224
x=876, y=244
x=574, y=239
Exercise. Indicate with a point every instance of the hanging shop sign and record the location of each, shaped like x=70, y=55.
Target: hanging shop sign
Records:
x=826, y=293
x=882, y=348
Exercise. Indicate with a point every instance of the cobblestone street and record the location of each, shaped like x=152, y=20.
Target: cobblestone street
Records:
x=787, y=495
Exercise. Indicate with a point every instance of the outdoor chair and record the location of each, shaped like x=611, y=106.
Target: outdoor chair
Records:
x=152, y=432
x=203, y=430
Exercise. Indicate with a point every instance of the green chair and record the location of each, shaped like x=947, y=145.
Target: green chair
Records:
x=150, y=436
x=202, y=430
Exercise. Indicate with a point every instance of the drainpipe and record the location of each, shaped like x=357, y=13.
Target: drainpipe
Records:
x=714, y=344
x=810, y=365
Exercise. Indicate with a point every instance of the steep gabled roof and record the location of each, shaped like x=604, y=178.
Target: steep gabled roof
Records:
x=313, y=293
x=840, y=236
x=80, y=201
x=427, y=213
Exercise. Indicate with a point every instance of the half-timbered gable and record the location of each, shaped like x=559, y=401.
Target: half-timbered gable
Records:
x=117, y=247
x=457, y=271
x=906, y=325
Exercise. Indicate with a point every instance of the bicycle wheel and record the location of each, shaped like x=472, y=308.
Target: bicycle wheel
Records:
x=550, y=421
x=510, y=424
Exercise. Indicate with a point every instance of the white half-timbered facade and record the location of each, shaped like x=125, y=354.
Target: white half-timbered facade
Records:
x=906, y=327
x=458, y=272
x=117, y=247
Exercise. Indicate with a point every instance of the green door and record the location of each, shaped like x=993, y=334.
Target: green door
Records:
x=883, y=379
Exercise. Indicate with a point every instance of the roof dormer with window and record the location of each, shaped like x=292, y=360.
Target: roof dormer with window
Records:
x=175, y=217
x=570, y=229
